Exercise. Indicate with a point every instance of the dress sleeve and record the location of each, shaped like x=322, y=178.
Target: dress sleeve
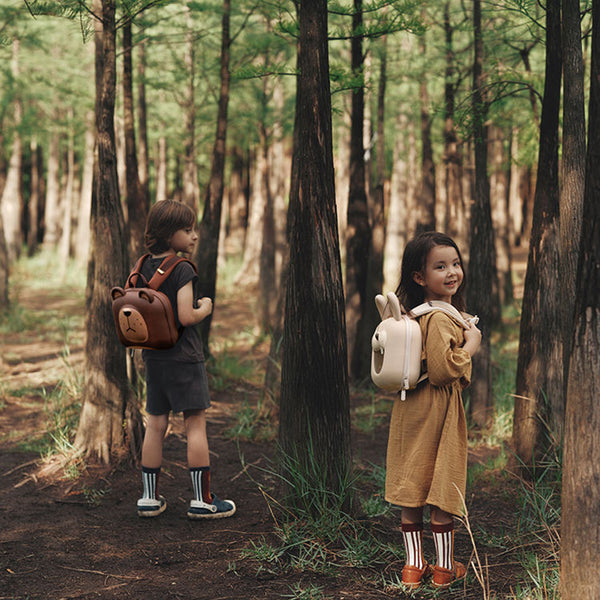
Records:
x=447, y=361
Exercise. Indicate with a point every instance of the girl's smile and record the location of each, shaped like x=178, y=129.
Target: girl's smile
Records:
x=442, y=275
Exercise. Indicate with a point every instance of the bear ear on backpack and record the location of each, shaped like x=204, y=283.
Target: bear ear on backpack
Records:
x=116, y=292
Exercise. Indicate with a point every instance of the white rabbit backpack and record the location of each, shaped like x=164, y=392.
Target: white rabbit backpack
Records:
x=396, y=345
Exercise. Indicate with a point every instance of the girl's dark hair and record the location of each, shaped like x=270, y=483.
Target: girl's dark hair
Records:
x=164, y=219
x=409, y=292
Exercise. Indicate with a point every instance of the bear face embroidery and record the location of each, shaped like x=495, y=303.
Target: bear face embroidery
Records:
x=132, y=324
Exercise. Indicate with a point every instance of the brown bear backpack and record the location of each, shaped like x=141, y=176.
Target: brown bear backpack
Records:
x=143, y=315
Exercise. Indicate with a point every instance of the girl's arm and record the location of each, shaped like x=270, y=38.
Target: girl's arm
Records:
x=188, y=315
x=472, y=339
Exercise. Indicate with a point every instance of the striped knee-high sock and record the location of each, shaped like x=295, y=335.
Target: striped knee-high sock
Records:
x=443, y=538
x=150, y=482
x=201, y=483
x=412, y=533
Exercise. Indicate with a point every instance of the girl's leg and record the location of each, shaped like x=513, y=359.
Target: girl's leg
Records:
x=412, y=534
x=151, y=503
x=446, y=569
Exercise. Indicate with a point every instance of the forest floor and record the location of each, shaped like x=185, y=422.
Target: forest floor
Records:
x=74, y=533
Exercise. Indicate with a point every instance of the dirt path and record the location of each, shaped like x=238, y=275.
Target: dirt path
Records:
x=82, y=539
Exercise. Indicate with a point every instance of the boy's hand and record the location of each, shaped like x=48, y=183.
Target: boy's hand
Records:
x=206, y=304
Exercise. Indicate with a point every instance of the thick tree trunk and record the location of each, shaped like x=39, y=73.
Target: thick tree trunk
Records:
x=539, y=387
x=572, y=175
x=137, y=207
x=207, y=250
x=106, y=396
x=481, y=299
x=314, y=424
x=361, y=366
x=358, y=229
x=580, y=529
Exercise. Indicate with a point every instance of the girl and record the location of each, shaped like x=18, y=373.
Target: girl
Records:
x=427, y=447
x=176, y=378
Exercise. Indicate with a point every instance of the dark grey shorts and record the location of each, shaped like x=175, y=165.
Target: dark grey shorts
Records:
x=175, y=386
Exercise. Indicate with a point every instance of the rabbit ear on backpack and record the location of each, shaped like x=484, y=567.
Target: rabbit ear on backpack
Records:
x=382, y=307
x=394, y=306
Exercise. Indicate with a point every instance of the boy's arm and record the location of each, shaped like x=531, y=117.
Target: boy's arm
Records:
x=188, y=314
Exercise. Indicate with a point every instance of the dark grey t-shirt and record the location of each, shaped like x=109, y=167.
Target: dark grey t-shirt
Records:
x=189, y=345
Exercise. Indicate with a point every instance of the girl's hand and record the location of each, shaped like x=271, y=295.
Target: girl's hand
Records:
x=472, y=339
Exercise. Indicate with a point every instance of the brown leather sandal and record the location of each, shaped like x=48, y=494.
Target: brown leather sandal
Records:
x=412, y=577
x=443, y=578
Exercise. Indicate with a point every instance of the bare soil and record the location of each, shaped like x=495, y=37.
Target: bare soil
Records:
x=81, y=538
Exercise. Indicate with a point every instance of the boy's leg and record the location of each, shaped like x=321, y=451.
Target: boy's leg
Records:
x=446, y=570
x=204, y=505
x=151, y=504
x=412, y=533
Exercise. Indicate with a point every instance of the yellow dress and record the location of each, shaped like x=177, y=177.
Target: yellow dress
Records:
x=427, y=446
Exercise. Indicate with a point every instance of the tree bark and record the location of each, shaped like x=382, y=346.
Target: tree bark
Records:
x=11, y=201
x=190, y=191
x=51, y=212
x=137, y=207
x=314, y=425
x=572, y=180
x=358, y=229
x=35, y=197
x=426, y=197
x=82, y=248
x=207, y=250
x=106, y=398
x=539, y=394
x=143, y=153
x=580, y=530
x=481, y=299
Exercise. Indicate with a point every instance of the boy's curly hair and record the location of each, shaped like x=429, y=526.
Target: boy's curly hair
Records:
x=164, y=219
x=414, y=259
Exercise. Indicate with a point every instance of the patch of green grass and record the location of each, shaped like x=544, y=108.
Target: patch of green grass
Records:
x=254, y=423
x=226, y=369
x=309, y=592
x=372, y=411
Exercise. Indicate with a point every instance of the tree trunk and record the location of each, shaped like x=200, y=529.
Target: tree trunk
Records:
x=358, y=229
x=580, y=530
x=454, y=223
x=396, y=230
x=106, y=397
x=426, y=197
x=35, y=197
x=481, y=299
x=572, y=175
x=51, y=212
x=499, y=201
x=162, y=184
x=68, y=201
x=143, y=153
x=539, y=388
x=82, y=247
x=361, y=366
x=190, y=192
x=137, y=208
x=314, y=425
x=207, y=250
x=11, y=201
x=238, y=202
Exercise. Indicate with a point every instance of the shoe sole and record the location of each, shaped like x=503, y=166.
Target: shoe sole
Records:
x=217, y=515
x=152, y=512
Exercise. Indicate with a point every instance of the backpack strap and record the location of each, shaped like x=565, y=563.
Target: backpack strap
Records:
x=136, y=272
x=445, y=307
x=165, y=269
